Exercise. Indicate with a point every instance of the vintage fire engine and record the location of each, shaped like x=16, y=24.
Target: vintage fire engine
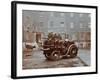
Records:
x=55, y=48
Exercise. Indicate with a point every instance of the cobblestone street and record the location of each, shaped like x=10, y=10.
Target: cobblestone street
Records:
x=37, y=60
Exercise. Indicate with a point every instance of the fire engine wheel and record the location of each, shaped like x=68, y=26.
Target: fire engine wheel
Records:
x=73, y=51
x=47, y=55
x=55, y=55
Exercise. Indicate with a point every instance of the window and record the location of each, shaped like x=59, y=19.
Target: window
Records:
x=61, y=14
x=71, y=25
x=89, y=15
x=80, y=14
x=62, y=24
x=51, y=14
x=81, y=25
x=41, y=14
x=71, y=14
x=41, y=24
x=51, y=23
x=56, y=14
x=89, y=25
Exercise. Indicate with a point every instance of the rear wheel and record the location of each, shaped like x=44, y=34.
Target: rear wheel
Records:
x=47, y=55
x=55, y=55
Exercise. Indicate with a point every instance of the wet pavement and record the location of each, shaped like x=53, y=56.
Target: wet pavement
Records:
x=37, y=61
x=85, y=56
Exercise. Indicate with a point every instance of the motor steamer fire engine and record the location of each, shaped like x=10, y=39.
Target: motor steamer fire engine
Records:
x=55, y=48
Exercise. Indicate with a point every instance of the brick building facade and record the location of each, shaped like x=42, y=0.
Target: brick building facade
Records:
x=75, y=26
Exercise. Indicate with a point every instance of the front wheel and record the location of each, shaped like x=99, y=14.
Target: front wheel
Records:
x=73, y=51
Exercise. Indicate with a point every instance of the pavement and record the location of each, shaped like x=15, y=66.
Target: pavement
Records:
x=38, y=60
x=85, y=56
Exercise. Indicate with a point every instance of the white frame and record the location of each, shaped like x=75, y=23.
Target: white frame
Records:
x=19, y=6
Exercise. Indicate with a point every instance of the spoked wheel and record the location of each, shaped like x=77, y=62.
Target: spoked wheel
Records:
x=48, y=56
x=73, y=51
x=55, y=55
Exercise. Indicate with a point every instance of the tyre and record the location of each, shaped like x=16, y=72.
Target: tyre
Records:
x=55, y=55
x=48, y=56
x=73, y=51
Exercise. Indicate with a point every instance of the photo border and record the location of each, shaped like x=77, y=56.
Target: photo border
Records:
x=14, y=38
